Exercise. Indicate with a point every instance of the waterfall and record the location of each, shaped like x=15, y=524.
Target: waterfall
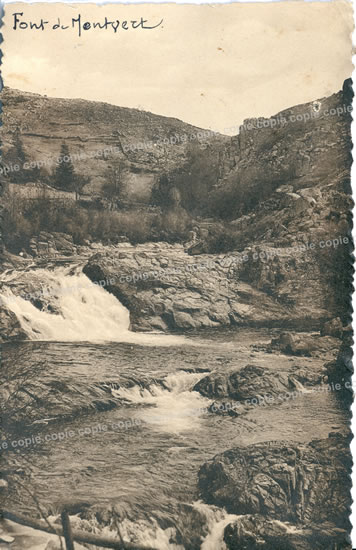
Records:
x=217, y=519
x=150, y=534
x=74, y=309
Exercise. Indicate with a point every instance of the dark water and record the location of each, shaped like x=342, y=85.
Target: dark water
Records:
x=148, y=467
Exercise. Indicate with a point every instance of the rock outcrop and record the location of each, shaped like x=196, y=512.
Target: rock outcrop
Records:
x=50, y=245
x=302, y=148
x=10, y=328
x=285, y=186
x=253, y=382
x=166, y=289
x=255, y=532
x=304, y=484
x=310, y=345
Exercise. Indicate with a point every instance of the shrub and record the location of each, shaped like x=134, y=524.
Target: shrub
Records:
x=26, y=218
x=222, y=239
x=174, y=225
x=189, y=185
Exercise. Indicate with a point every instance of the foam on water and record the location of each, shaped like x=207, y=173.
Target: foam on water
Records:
x=175, y=407
x=149, y=534
x=217, y=519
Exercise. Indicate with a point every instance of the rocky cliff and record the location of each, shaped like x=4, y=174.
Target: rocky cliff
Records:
x=285, y=190
x=305, y=146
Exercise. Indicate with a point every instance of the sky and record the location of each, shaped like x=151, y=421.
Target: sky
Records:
x=210, y=65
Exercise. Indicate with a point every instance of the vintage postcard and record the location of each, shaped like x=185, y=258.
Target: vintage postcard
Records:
x=176, y=276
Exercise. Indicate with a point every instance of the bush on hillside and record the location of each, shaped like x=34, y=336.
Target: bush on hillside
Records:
x=23, y=219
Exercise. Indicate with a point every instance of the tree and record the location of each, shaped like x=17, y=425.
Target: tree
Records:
x=64, y=176
x=15, y=159
x=19, y=152
x=114, y=182
x=161, y=192
x=78, y=183
x=189, y=185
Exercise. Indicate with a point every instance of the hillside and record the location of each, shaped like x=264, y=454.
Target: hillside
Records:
x=305, y=146
x=285, y=195
x=148, y=143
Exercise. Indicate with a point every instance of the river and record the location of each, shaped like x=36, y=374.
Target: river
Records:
x=119, y=424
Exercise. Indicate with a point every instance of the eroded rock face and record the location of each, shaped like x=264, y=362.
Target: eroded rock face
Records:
x=287, y=147
x=53, y=244
x=100, y=132
x=253, y=381
x=166, y=289
x=295, y=482
x=298, y=229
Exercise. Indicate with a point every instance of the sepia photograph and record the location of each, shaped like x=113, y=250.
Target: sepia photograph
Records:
x=176, y=265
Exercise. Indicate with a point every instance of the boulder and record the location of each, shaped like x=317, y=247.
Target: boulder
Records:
x=184, y=320
x=332, y=328
x=157, y=323
x=282, y=480
x=303, y=204
x=286, y=188
x=51, y=244
x=199, y=247
x=169, y=290
x=7, y=539
x=253, y=382
x=289, y=200
x=10, y=328
x=305, y=344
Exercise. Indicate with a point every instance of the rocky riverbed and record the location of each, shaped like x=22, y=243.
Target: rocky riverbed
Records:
x=166, y=289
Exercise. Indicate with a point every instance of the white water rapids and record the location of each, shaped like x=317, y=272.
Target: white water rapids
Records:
x=144, y=532
x=81, y=311
x=173, y=407
x=154, y=536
